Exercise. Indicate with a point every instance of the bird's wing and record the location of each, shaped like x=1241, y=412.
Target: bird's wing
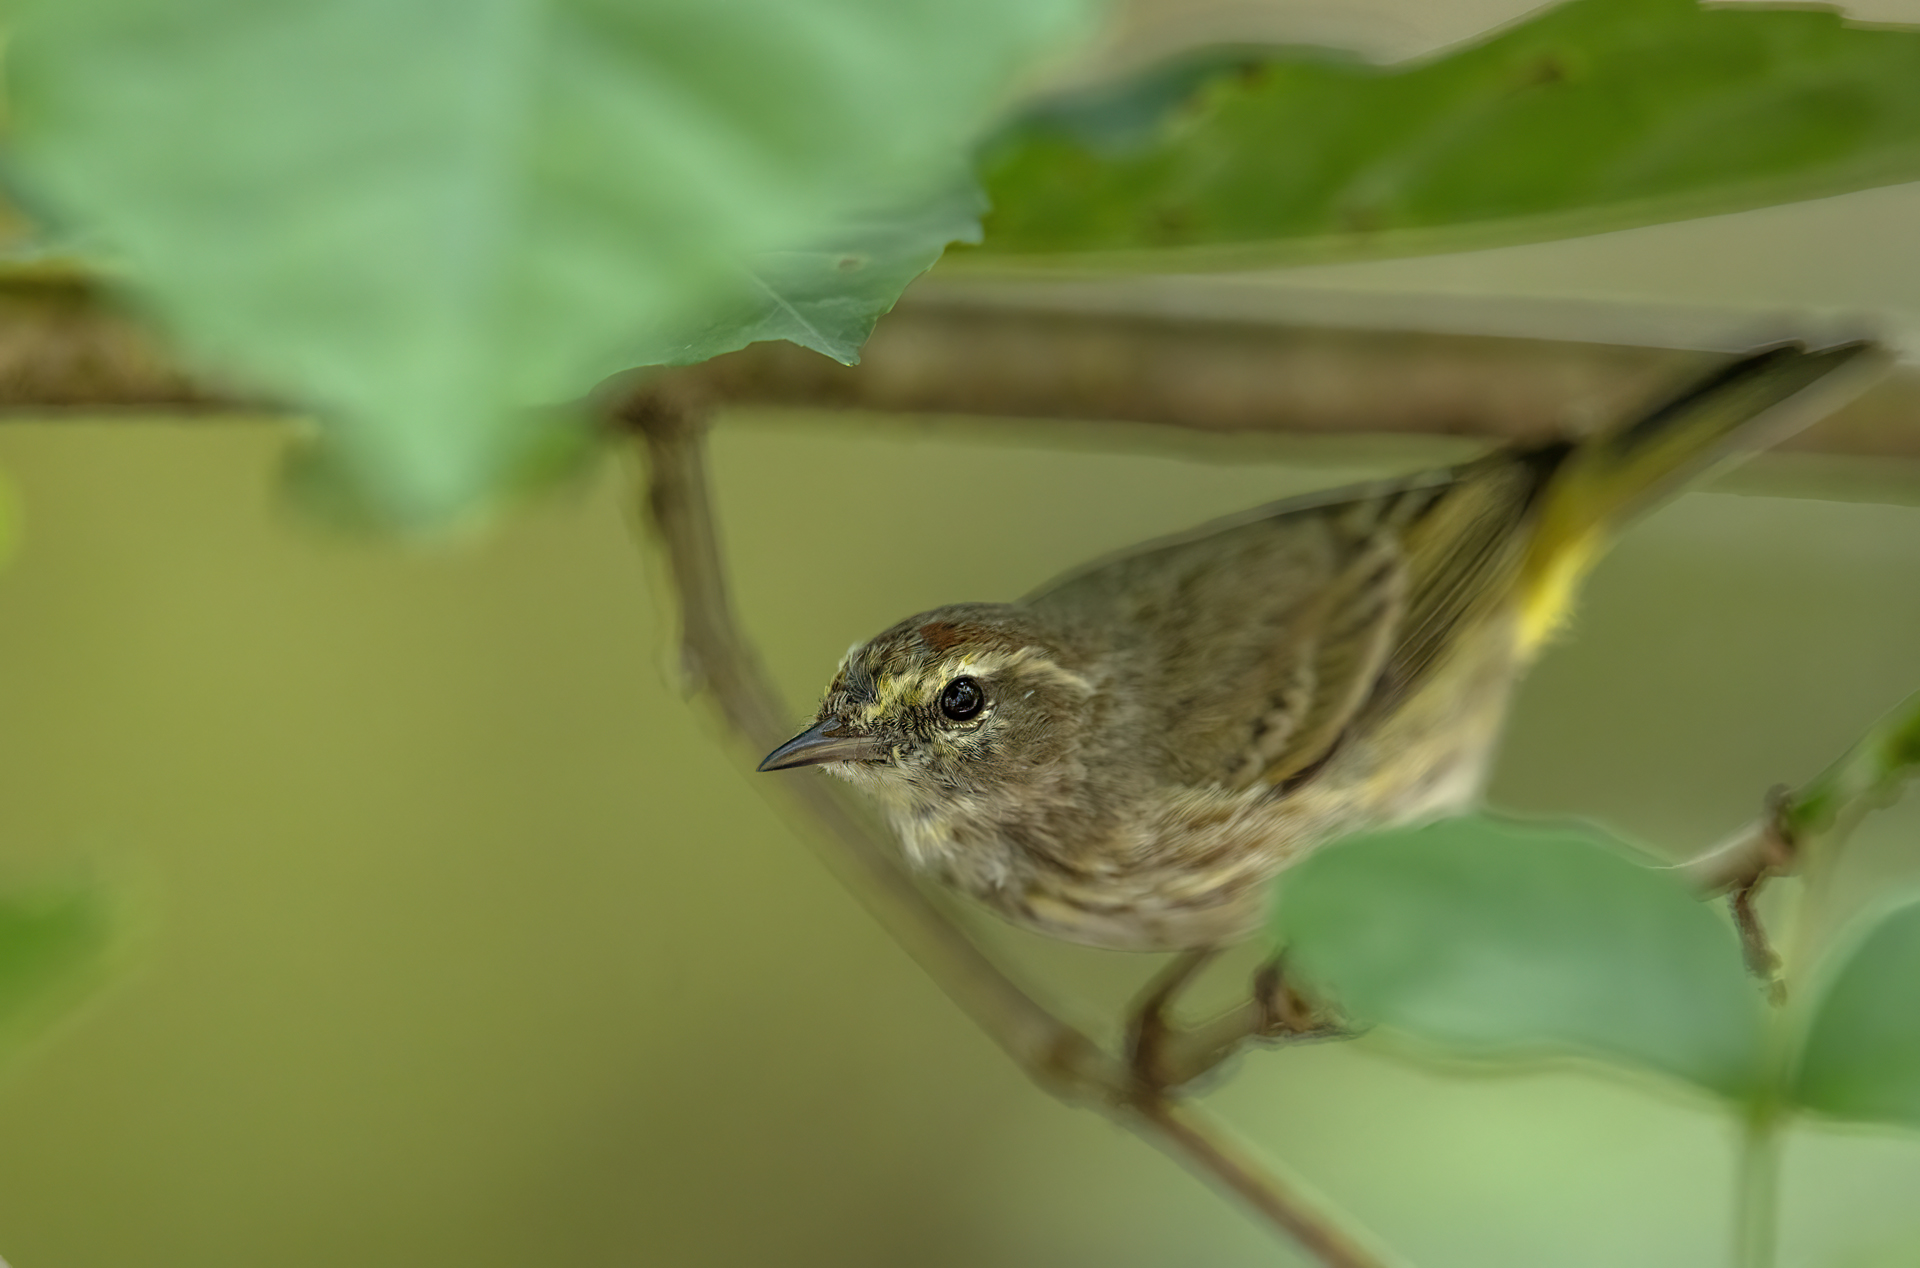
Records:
x=1262, y=642
x=1247, y=649
x=1318, y=679
x=1282, y=642
x=1465, y=546
x=1421, y=565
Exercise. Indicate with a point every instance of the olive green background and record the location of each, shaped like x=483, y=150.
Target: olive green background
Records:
x=463, y=939
x=458, y=938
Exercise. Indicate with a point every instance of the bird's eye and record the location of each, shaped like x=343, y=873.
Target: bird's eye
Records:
x=961, y=699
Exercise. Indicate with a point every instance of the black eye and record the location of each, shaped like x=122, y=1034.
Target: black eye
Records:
x=961, y=699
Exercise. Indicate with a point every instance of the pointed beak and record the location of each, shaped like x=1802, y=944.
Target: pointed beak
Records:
x=823, y=742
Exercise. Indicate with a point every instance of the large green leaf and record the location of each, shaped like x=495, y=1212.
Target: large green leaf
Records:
x=419, y=215
x=53, y=947
x=1593, y=115
x=1494, y=938
x=1861, y=1059
x=829, y=296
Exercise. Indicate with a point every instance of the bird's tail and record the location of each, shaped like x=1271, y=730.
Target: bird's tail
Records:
x=1605, y=481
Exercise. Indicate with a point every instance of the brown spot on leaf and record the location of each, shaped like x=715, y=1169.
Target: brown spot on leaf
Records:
x=1360, y=218
x=1171, y=224
x=1543, y=72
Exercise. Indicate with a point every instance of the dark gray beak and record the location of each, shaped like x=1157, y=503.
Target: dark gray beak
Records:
x=823, y=742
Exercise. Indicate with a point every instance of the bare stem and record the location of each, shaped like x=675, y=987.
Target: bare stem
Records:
x=1757, y=1197
x=718, y=660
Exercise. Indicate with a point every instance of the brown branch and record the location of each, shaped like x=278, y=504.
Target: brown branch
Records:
x=1060, y=1058
x=1035, y=354
x=973, y=356
x=970, y=353
x=64, y=346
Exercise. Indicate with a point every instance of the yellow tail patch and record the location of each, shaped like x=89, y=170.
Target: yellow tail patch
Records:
x=1547, y=595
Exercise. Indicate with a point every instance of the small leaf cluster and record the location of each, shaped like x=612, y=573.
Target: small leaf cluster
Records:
x=1490, y=939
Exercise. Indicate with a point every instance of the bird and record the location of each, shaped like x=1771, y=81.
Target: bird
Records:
x=1128, y=757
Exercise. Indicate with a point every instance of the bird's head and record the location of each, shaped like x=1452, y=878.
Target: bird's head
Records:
x=970, y=704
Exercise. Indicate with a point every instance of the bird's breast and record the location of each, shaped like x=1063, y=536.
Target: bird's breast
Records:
x=1179, y=868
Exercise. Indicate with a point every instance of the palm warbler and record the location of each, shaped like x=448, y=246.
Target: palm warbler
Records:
x=1127, y=757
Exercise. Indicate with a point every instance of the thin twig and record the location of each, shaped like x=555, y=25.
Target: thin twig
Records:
x=1869, y=775
x=1189, y=1138
x=1060, y=1058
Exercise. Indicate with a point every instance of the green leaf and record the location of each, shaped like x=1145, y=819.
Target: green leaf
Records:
x=422, y=218
x=1861, y=1059
x=53, y=949
x=1594, y=115
x=1493, y=938
x=827, y=298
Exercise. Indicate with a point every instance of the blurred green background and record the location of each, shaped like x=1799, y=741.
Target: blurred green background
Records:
x=461, y=939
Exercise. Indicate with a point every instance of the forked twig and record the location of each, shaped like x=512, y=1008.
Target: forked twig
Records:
x=1868, y=775
x=1061, y=1059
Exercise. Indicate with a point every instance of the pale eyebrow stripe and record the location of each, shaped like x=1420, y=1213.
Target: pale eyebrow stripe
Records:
x=1030, y=659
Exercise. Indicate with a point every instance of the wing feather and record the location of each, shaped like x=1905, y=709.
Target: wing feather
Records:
x=1341, y=652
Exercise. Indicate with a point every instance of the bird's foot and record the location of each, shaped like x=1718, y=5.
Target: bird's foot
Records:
x=1164, y=1058
x=1285, y=1010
